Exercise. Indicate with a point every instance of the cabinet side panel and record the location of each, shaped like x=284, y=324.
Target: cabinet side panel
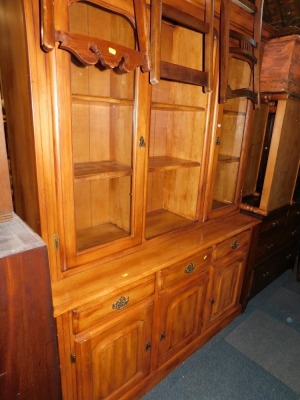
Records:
x=16, y=92
x=283, y=158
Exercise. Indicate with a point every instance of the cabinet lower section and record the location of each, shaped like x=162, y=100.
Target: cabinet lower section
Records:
x=120, y=344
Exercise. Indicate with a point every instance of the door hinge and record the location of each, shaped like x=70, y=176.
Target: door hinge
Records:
x=56, y=242
x=73, y=358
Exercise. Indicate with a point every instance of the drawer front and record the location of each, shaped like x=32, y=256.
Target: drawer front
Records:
x=86, y=316
x=265, y=272
x=184, y=269
x=271, y=243
x=294, y=216
x=231, y=245
x=276, y=222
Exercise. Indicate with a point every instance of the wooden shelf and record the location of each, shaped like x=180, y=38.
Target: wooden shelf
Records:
x=80, y=98
x=163, y=163
x=219, y=204
x=175, y=107
x=163, y=221
x=224, y=158
x=97, y=235
x=234, y=113
x=100, y=170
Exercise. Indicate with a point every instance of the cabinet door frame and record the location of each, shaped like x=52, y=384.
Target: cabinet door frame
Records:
x=104, y=335
x=168, y=301
x=223, y=297
x=70, y=257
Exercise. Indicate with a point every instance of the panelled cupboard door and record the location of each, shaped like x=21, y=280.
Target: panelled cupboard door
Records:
x=181, y=316
x=225, y=287
x=111, y=360
x=98, y=116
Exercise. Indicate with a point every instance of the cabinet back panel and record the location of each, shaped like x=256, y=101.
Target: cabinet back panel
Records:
x=101, y=201
x=226, y=182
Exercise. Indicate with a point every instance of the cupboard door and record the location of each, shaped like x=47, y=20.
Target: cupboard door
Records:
x=229, y=140
x=181, y=313
x=177, y=131
x=97, y=144
x=111, y=359
x=226, y=281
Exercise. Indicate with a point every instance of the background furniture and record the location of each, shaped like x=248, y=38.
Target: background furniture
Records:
x=28, y=346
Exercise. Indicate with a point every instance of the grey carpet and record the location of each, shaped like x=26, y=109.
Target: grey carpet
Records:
x=272, y=345
x=256, y=357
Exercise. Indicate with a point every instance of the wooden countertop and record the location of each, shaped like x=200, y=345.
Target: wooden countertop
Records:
x=93, y=283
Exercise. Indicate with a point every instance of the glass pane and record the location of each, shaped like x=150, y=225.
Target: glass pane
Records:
x=102, y=133
x=231, y=137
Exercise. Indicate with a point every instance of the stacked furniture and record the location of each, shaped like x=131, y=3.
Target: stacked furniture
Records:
x=271, y=189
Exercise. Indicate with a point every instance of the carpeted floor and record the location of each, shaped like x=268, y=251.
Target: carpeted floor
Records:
x=256, y=357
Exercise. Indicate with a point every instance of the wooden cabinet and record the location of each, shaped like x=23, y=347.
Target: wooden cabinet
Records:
x=121, y=175
x=29, y=367
x=273, y=251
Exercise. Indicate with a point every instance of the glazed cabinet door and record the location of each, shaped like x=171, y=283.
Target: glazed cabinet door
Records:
x=100, y=155
x=181, y=316
x=226, y=283
x=228, y=154
x=112, y=358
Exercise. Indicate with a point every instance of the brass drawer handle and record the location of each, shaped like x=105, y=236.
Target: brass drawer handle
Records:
x=121, y=303
x=190, y=268
x=235, y=244
x=275, y=223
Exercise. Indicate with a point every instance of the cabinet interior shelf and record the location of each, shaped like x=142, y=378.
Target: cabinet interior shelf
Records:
x=219, y=204
x=163, y=221
x=224, y=158
x=234, y=113
x=163, y=163
x=100, y=170
x=81, y=98
x=98, y=235
x=175, y=107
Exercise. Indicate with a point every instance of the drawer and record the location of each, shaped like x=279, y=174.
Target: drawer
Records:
x=184, y=269
x=231, y=244
x=276, y=222
x=265, y=272
x=294, y=216
x=113, y=305
x=270, y=243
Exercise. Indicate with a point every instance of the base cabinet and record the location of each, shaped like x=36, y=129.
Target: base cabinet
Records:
x=124, y=342
x=226, y=280
x=181, y=316
x=110, y=358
